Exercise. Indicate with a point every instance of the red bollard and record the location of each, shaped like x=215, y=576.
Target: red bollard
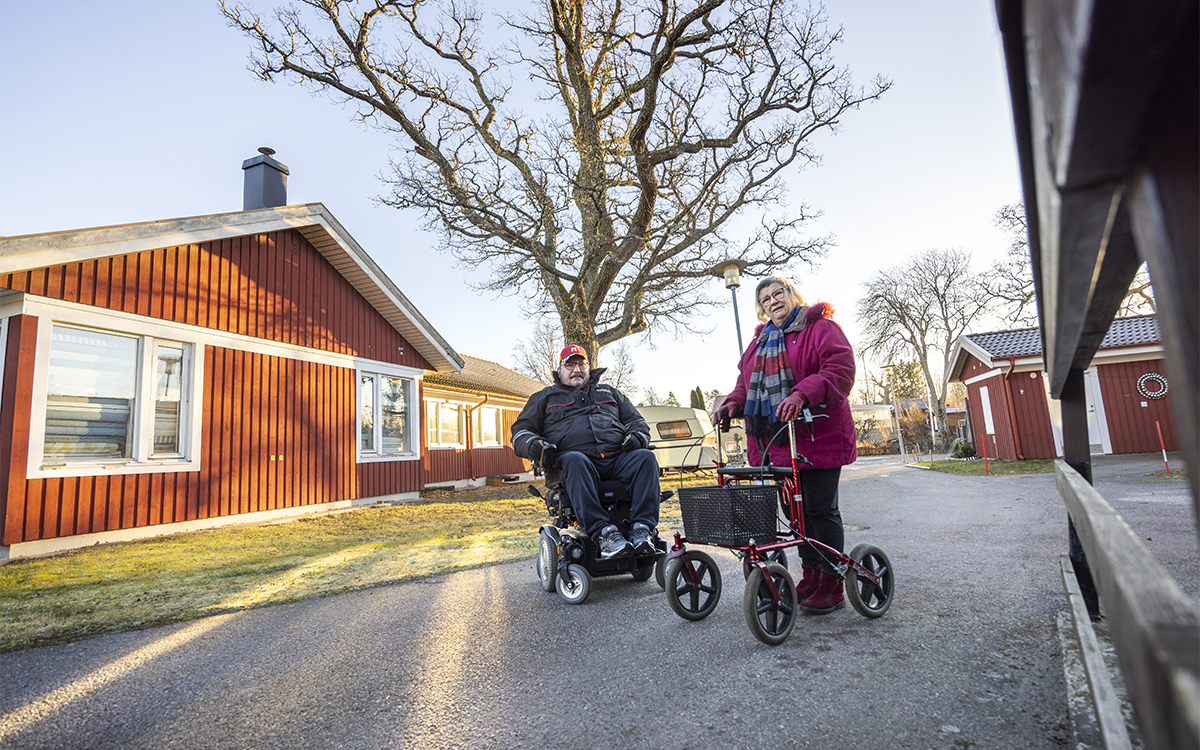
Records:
x=1163, y=446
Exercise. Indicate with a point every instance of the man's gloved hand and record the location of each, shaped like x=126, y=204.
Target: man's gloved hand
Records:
x=790, y=407
x=548, y=455
x=634, y=441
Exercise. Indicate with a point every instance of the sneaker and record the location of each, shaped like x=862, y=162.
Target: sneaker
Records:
x=612, y=544
x=642, y=539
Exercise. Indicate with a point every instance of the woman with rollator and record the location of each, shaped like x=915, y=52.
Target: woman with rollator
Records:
x=799, y=357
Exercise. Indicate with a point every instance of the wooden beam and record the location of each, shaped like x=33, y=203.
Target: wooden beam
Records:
x=1155, y=626
x=1104, y=697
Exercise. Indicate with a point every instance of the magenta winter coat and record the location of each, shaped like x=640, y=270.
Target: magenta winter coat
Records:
x=822, y=363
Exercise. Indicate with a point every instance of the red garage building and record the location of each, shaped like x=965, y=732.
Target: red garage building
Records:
x=1013, y=417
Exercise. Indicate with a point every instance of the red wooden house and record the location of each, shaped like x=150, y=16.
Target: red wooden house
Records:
x=179, y=374
x=468, y=420
x=1013, y=417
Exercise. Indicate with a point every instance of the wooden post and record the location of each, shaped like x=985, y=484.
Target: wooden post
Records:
x=1077, y=452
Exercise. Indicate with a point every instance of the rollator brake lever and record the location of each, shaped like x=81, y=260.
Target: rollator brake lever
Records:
x=807, y=417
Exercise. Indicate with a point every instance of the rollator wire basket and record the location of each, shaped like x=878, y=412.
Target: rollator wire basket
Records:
x=729, y=515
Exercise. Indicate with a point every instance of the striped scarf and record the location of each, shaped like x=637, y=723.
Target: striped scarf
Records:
x=770, y=382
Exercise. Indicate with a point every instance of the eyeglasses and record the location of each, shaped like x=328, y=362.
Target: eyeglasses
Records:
x=576, y=365
x=778, y=295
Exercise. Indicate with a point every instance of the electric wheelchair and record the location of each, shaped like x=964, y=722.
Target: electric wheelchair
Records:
x=568, y=558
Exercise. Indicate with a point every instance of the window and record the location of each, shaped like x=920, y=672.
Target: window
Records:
x=115, y=397
x=444, y=423
x=383, y=408
x=487, y=426
x=668, y=430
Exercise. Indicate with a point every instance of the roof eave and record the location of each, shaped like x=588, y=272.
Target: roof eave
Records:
x=312, y=220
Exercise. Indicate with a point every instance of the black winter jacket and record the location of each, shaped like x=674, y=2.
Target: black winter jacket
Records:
x=593, y=420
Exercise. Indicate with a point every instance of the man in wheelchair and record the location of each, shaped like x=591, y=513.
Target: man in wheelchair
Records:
x=590, y=432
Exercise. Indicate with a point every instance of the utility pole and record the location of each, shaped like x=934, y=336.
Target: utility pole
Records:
x=896, y=411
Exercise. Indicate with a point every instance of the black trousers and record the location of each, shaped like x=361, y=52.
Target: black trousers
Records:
x=822, y=519
x=637, y=470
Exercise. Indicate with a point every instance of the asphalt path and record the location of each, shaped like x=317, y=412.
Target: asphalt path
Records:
x=967, y=657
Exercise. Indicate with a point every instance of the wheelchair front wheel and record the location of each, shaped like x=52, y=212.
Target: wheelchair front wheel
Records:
x=547, y=561
x=643, y=573
x=660, y=571
x=770, y=623
x=577, y=586
x=693, y=585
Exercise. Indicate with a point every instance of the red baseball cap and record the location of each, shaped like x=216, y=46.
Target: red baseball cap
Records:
x=574, y=350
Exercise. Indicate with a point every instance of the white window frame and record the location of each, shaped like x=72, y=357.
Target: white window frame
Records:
x=143, y=460
x=461, y=407
x=411, y=437
x=476, y=428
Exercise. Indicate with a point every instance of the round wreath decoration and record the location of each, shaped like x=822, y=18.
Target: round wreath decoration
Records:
x=1152, y=377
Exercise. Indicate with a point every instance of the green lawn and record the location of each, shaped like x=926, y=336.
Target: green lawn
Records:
x=995, y=467
x=130, y=585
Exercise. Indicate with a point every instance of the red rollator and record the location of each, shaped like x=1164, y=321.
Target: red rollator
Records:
x=757, y=511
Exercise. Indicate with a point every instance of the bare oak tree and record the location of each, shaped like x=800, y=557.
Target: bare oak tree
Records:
x=1010, y=280
x=917, y=310
x=644, y=142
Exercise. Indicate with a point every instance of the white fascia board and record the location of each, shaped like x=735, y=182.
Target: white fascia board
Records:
x=1127, y=354
x=56, y=248
x=958, y=354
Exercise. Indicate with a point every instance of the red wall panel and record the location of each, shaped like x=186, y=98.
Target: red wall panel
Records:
x=274, y=286
x=1033, y=415
x=1131, y=416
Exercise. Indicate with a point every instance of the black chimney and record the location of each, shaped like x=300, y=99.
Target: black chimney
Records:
x=266, y=181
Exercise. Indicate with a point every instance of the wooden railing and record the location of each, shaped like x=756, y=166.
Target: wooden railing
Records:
x=1155, y=626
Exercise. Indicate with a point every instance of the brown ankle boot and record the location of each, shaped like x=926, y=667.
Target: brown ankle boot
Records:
x=828, y=596
x=808, y=584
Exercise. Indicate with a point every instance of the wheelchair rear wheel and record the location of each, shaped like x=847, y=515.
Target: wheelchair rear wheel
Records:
x=693, y=585
x=660, y=571
x=547, y=561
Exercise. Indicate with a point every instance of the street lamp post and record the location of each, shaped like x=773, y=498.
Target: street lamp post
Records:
x=731, y=272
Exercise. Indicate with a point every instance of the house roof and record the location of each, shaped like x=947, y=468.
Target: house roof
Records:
x=1140, y=330
x=312, y=220
x=481, y=376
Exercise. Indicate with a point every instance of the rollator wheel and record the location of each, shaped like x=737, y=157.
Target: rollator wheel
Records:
x=660, y=571
x=693, y=599
x=771, y=623
x=870, y=600
x=547, y=561
x=774, y=556
x=579, y=583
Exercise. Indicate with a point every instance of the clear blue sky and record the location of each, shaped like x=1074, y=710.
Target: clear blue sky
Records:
x=112, y=113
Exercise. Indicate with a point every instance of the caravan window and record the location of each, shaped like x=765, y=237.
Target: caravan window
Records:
x=667, y=430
